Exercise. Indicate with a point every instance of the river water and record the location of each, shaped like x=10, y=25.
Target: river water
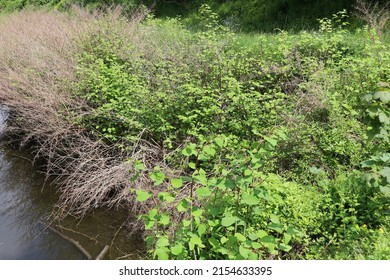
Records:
x=26, y=199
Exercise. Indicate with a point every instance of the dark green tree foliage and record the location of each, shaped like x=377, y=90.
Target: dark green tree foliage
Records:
x=268, y=15
x=264, y=15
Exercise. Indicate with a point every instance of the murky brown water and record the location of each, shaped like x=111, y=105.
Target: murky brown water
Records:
x=26, y=199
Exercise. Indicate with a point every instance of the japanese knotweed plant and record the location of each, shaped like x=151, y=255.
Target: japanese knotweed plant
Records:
x=226, y=214
x=378, y=120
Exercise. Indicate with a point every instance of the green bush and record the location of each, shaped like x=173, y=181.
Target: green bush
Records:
x=208, y=82
x=332, y=208
x=239, y=212
x=197, y=85
x=225, y=216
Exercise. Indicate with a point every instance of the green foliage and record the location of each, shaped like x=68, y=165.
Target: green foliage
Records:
x=197, y=85
x=378, y=114
x=280, y=140
x=228, y=215
x=353, y=212
x=238, y=210
x=270, y=136
x=206, y=83
x=281, y=14
x=248, y=15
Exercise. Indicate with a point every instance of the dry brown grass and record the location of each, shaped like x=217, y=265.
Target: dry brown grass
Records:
x=38, y=53
x=377, y=16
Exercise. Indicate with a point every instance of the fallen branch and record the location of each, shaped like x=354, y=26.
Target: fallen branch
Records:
x=74, y=242
x=103, y=252
x=125, y=256
x=116, y=233
x=82, y=234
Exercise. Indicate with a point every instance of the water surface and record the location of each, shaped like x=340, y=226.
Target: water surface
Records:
x=26, y=199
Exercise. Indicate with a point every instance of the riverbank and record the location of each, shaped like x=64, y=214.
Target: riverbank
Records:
x=226, y=146
x=27, y=207
x=29, y=228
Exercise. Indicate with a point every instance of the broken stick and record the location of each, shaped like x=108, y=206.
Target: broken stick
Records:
x=74, y=242
x=103, y=252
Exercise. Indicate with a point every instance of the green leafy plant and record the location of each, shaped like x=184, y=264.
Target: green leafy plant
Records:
x=228, y=214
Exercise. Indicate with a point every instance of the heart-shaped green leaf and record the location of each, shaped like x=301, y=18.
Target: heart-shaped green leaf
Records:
x=142, y=195
x=383, y=96
x=177, y=249
x=177, y=183
x=249, y=199
x=203, y=192
x=228, y=221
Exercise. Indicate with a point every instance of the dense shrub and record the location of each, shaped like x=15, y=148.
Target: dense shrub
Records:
x=206, y=83
x=196, y=84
